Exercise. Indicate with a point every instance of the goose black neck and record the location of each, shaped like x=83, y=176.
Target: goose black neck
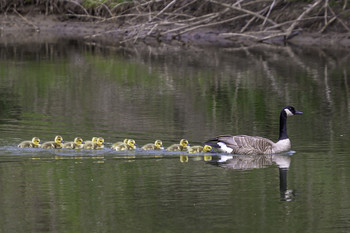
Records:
x=283, y=126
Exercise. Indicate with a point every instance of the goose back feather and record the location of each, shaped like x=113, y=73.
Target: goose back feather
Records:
x=247, y=145
x=255, y=145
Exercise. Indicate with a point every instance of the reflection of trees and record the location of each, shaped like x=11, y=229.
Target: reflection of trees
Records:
x=172, y=89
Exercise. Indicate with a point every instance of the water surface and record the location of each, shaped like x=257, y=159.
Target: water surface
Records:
x=74, y=89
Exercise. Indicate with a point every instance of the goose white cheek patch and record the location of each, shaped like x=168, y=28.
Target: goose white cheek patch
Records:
x=289, y=113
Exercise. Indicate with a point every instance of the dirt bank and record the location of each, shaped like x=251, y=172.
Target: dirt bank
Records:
x=17, y=28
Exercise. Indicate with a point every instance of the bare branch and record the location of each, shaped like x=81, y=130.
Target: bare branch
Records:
x=268, y=13
x=164, y=9
x=243, y=10
x=295, y=23
x=36, y=28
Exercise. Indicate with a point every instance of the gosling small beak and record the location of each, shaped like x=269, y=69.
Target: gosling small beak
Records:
x=83, y=143
x=62, y=141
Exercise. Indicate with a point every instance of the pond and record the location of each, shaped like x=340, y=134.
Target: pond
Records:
x=73, y=89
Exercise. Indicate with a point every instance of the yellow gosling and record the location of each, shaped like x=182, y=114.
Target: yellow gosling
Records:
x=119, y=143
x=99, y=144
x=90, y=144
x=157, y=145
x=183, y=146
x=199, y=149
x=56, y=144
x=130, y=145
x=78, y=143
x=34, y=143
x=94, y=139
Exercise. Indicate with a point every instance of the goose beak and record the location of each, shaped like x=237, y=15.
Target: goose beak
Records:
x=298, y=113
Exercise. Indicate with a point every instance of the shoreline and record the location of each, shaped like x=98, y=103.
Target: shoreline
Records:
x=15, y=29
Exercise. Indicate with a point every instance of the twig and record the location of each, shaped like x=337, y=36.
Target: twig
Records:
x=325, y=12
x=230, y=34
x=100, y=34
x=238, y=3
x=86, y=16
x=213, y=24
x=294, y=24
x=78, y=4
x=184, y=6
x=340, y=21
x=186, y=21
x=37, y=29
x=291, y=21
x=345, y=4
x=283, y=34
x=164, y=9
x=251, y=20
x=243, y=10
x=107, y=9
x=268, y=13
x=328, y=23
x=212, y=16
x=136, y=6
x=118, y=5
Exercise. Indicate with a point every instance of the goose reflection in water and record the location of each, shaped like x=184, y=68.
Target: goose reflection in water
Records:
x=246, y=162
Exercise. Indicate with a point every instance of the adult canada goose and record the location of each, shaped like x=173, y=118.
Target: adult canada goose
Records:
x=34, y=143
x=157, y=145
x=253, y=145
x=56, y=144
x=118, y=143
x=99, y=144
x=130, y=145
x=77, y=144
x=183, y=146
x=90, y=144
x=199, y=149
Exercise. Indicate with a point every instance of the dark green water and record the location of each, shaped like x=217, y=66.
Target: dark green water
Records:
x=73, y=89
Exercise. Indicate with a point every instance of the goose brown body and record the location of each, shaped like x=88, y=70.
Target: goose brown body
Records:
x=255, y=145
x=249, y=145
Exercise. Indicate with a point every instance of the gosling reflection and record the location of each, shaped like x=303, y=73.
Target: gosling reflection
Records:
x=184, y=158
x=246, y=162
